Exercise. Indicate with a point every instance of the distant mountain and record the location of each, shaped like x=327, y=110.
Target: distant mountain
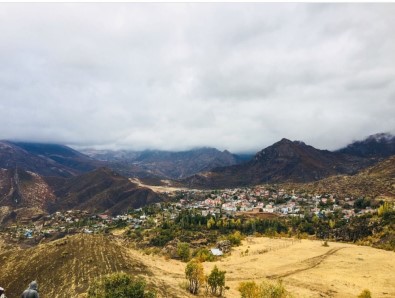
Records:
x=378, y=145
x=101, y=190
x=45, y=159
x=165, y=164
x=283, y=161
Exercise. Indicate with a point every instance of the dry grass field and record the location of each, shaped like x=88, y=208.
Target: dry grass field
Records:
x=307, y=268
x=66, y=267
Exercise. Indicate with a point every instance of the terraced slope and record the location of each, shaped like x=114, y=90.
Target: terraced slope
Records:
x=66, y=267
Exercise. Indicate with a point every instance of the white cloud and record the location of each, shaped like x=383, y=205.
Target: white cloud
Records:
x=181, y=75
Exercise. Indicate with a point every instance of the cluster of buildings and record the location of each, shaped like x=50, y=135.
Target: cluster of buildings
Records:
x=227, y=202
x=270, y=200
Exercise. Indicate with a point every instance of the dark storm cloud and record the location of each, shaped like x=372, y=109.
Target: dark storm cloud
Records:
x=175, y=76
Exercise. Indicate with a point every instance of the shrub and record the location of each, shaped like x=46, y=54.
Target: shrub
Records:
x=235, y=238
x=271, y=290
x=264, y=290
x=183, y=251
x=248, y=289
x=119, y=285
x=365, y=294
x=204, y=255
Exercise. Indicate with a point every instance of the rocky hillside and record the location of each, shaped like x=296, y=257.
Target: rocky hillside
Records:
x=102, y=190
x=283, y=161
x=25, y=194
x=24, y=189
x=373, y=182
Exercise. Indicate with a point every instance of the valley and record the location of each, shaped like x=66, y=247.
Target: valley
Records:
x=269, y=217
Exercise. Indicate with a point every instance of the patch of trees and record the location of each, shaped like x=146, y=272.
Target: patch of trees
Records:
x=214, y=282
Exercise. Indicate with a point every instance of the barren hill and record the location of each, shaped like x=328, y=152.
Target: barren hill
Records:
x=19, y=188
x=25, y=194
x=102, y=190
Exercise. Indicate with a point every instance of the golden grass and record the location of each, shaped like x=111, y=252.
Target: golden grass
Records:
x=307, y=268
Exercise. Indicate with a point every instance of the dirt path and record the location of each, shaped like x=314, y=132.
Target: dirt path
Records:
x=309, y=263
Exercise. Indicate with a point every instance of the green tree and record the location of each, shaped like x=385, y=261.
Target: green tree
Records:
x=386, y=207
x=216, y=281
x=194, y=273
x=210, y=223
x=183, y=251
x=119, y=285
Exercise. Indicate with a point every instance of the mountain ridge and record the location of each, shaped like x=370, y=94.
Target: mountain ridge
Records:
x=283, y=161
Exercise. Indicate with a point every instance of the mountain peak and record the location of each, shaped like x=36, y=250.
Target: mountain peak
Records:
x=377, y=145
x=380, y=137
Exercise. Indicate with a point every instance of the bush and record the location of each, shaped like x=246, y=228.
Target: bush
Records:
x=264, y=290
x=248, y=289
x=183, y=251
x=204, y=255
x=365, y=294
x=119, y=285
x=235, y=238
x=271, y=290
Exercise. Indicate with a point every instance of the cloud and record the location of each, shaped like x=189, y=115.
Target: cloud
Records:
x=181, y=75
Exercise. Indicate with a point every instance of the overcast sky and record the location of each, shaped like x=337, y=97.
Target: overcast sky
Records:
x=183, y=75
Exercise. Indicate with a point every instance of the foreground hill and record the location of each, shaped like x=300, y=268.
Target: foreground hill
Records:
x=66, y=267
x=45, y=159
x=165, y=164
x=375, y=181
x=283, y=161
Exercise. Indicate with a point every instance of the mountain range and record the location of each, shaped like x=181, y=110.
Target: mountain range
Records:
x=287, y=161
x=45, y=159
x=38, y=178
x=165, y=164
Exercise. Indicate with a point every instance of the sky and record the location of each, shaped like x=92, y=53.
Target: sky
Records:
x=176, y=76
